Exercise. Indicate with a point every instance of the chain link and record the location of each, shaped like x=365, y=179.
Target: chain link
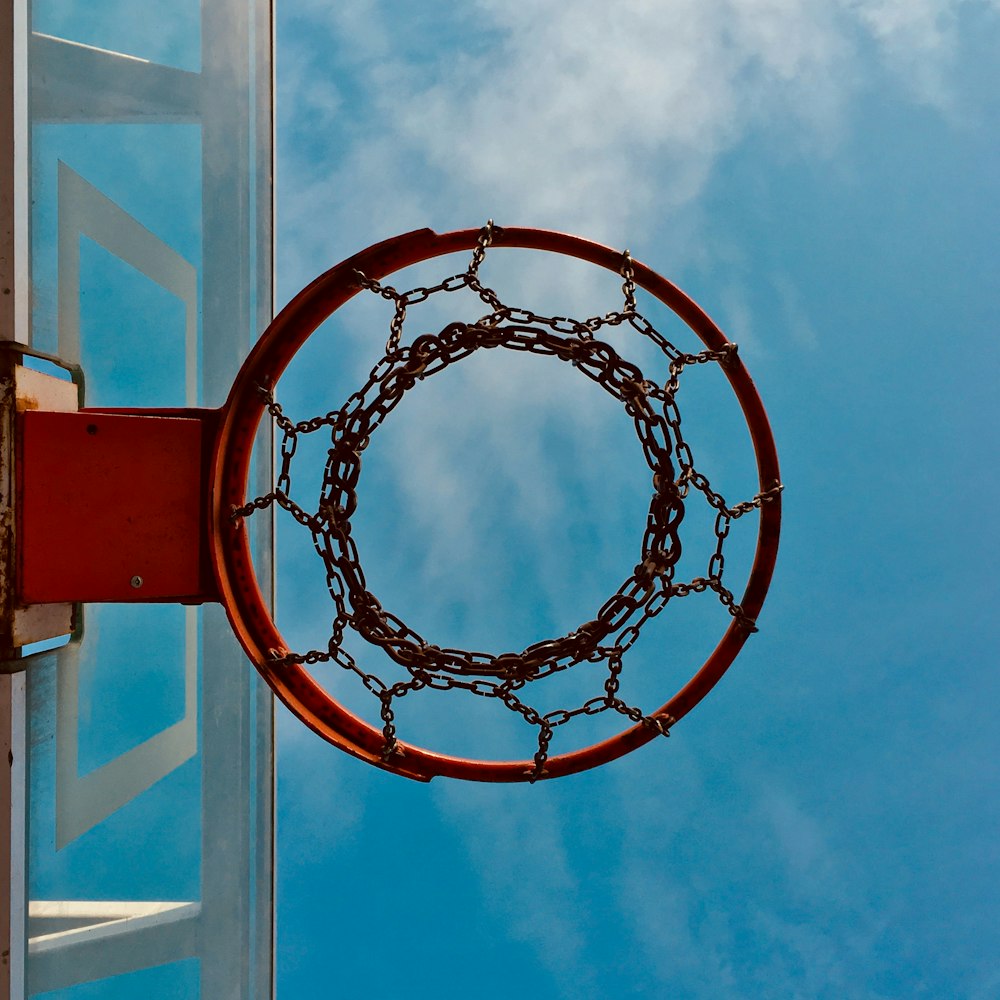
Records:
x=617, y=625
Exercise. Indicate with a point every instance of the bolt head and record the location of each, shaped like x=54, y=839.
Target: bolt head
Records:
x=136, y=582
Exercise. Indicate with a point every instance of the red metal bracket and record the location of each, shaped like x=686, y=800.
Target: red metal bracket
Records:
x=112, y=506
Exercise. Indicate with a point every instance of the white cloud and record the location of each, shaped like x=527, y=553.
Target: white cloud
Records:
x=606, y=118
x=320, y=799
x=518, y=848
x=584, y=115
x=738, y=318
x=796, y=317
x=917, y=38
x=729, y=925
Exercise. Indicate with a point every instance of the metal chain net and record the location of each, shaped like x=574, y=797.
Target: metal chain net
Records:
x=616, y=626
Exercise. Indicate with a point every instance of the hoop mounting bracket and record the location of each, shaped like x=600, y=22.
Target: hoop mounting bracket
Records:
x=111, y=506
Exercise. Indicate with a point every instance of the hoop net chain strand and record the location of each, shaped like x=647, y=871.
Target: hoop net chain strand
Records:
x=616, y=626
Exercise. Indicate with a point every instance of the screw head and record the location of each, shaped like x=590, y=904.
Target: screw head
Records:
x=136, y=582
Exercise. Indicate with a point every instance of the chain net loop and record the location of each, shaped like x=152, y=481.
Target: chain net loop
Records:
x=617, y=624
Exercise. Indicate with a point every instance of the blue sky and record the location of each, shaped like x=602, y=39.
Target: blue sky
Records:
x=820, y=176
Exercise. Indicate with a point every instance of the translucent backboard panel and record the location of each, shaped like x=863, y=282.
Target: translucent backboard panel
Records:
x=150, y=767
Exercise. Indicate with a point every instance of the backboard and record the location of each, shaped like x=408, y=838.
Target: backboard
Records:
x=139, y=851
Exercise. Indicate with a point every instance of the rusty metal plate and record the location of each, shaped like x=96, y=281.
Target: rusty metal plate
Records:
x=110, y=507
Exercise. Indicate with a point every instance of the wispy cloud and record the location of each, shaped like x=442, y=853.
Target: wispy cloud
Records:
x=603, y=118
x=917, y=39
x=793, y=308
x=542, y=904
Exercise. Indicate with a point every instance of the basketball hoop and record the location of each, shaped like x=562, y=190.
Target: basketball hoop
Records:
x=503, y=677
